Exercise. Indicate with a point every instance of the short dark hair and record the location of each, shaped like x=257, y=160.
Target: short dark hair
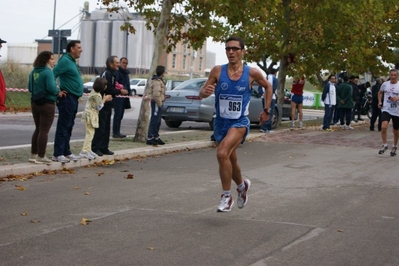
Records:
x=273, y=71
x=345, y=78
x=71, y=44
x=110, y=60
x=160, y=70
x=120, y=59
x=238, y=39
x=329, y=77
x=99, y=84
x=42, y=59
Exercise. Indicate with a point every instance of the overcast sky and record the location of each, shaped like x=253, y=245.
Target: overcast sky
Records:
x=24, y=21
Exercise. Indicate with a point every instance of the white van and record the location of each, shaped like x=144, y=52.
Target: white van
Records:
x=137, y=86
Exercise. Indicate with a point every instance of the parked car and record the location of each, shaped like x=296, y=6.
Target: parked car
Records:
x=184, y=104
x=88, y=86
x=137, y=86
x=286, y=109
x=171, y=84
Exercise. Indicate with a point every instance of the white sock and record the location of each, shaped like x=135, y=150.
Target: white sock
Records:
x=241, y=187
x=226, y=193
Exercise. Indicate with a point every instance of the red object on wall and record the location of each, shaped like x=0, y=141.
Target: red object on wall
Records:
x=2, y=93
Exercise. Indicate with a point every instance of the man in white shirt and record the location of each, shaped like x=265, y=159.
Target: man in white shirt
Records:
x=329, y=97
x=389, y=92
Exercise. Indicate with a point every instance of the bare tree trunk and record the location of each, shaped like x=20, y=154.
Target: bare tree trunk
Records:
x=160, y=37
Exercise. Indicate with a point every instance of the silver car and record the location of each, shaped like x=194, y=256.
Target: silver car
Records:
x=184, y=104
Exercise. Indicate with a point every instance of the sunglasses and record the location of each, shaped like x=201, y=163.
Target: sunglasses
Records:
x=234, y=49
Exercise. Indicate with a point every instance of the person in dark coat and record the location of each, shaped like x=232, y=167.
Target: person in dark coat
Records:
x=374, y=105
x=121, y=103
x=345, y=103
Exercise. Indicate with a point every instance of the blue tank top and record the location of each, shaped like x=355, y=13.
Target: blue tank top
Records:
x=232, y=97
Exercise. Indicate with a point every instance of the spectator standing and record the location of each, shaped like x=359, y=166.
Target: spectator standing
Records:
x=353, y=81
x=389, y=93
x=42, y=83
x=329, y=97
x=90, y=115
x=231, y=84
x=2, y=86
x=71, y=83
x=297, y=100
x=267, y=126
x=100, y=143
x=345, y=103
x=157, y=95
x=121, y=103
x=374, y=105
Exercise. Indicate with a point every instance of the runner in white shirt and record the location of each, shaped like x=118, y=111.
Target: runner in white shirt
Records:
x=390, y=109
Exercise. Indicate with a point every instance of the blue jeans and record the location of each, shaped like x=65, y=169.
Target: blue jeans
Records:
x=119, y=111
x=328, y=114
x=67, y=109
x=155, y=122
x=268, y=124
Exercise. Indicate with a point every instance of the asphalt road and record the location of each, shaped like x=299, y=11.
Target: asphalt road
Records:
x=19, y=127
x=317, y=198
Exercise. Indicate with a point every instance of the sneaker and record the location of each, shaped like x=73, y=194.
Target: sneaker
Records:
x=342, y=126
x=43, y=160
x=264, y=130
x=86, y=155
x=73, y=157
x=384, y=148
x=160, y=142
x=93, y=154
x=292, y=124
x=393, y=151
x=32, y=158
x=107, y=152
x=226, y=204
x=242, y=198
x=151, y=142
x=300, y=125
x=348, y=127
x=271, y=131
x=61, y=159
x=99, y=153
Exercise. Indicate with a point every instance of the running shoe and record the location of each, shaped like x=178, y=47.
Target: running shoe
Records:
x=43, y=160
x=226, y=204
x=60, y=159
x=73, y=157
x=384, y=148
x=242, y=198
x=32, y=158
x=393, y=151
x=86, y=155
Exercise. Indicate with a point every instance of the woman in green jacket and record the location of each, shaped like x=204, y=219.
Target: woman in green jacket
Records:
x=44, y=93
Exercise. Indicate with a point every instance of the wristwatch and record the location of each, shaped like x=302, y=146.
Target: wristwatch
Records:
x=267, y=110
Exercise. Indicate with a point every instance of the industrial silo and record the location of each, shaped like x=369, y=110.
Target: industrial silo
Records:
x=86, y=60
x=140, y=47
x=102, y=44
x=118, y=40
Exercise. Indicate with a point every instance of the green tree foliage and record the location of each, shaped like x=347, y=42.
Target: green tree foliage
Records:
x=332, y=35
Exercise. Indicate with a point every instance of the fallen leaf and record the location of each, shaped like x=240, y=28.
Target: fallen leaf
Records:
x=100, y=173
x=35, y=221
x=20, y=187
x=85, y=221
x=129, y=176
x=76, y=187
x=150, y=248
x=87, y=193
x=340, y=230
x=25, y=213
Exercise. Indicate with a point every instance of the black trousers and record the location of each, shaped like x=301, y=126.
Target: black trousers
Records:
x=376, y=114
x=101, y=135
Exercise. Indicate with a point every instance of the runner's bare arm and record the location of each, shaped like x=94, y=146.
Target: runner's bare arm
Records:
x=257, y=76
x=210, y=84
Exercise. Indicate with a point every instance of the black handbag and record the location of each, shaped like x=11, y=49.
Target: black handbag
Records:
x=38, y=98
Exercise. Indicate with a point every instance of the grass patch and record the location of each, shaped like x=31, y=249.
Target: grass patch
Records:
x=18, y=101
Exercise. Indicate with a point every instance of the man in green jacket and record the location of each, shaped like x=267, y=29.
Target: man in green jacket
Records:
x=345, y=103
x=71, y=82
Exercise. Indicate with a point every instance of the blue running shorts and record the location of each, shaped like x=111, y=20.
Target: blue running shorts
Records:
x=221, y=126
x=296, y=98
